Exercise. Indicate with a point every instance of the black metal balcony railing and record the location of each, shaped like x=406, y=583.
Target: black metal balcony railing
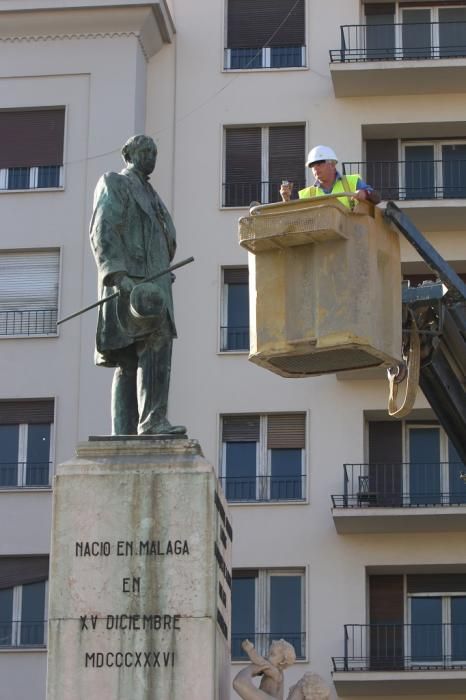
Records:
x=263, y=640
x=21, y=633
x=410, y=179
x=264, y=488
x=27, y=323
x=242, y=194
x=234, y=338
x=398, y=647
x=395, y=42
x=401, y=485
x=24, y=475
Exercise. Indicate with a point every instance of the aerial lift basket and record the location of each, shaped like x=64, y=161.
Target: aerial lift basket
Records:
x=325, y=287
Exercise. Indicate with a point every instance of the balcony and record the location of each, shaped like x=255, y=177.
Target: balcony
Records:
x=24, y=475
x=28, y=323
x=401, y=497
x=234, y=338
x=264, y=489
x=263, y=640
x=431, y=192
x=397, y=659
x=399, y=59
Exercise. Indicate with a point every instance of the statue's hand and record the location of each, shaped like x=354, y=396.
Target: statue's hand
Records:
x=247, y=645
x=125, y=285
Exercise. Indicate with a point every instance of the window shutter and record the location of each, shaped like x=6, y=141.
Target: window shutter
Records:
x=385, y=442
x=236, y=275
x=26, y=411
x=240, y=428
x=436, y=583
x=386, y=599
x=286, y=158
x=243, y=154
x=385, y=8
x=245, y=573
x=16, y=571
x=243, y=170
x=265, y=23
x=382, y=166
x=31, y=138
x=286, y=430
x=29, y=280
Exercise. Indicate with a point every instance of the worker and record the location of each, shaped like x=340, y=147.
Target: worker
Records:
x=328, y=180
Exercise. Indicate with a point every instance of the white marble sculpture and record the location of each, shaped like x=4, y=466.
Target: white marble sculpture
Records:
x=281, y=655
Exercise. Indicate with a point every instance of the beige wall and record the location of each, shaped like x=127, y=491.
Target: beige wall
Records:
x=183, y=99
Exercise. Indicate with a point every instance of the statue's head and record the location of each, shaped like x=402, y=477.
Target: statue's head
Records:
x=310, y=687
x=281, y=654
x=140, y=153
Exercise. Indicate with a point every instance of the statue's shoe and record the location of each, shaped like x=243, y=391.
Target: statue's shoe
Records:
x=165, y=428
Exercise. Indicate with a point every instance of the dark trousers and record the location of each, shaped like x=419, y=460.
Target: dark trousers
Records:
x=140, y=387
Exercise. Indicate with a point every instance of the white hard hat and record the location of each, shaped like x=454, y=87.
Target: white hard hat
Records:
x=320, y=153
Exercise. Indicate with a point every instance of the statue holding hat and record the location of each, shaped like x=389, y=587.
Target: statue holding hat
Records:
x=133, y=238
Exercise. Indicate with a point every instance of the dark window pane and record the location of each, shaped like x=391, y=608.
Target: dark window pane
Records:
x=240, y=471
x=458, y=628
x=32, y=613
x=243, y=168
x=237, y=331
x=419, y=172
x=6, y=616
x=454, y=171
x=38, y=455
x=285, y=610
x=452, y=31
x=426, y=629
x=457, y=485
x=243, y=614
x=380, y=37
x=286, y=468
x=9, y=436
x=424, y=467
x=246, y=58
x=48, y=176
x=18, y=178
x=286, y=56
x=417, y=30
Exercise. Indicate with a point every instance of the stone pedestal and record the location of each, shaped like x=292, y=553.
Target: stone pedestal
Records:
x=140, y=574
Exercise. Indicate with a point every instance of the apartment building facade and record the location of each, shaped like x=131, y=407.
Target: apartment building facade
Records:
x=349, y=528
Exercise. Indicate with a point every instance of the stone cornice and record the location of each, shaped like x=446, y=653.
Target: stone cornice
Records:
x=149, y=22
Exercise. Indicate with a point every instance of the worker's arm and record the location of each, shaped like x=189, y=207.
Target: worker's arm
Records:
x=366, y=193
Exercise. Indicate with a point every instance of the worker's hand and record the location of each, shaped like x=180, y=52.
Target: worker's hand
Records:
x=360, y=195
x=285, y=191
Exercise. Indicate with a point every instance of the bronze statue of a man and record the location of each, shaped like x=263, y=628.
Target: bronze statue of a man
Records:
x=133, y=238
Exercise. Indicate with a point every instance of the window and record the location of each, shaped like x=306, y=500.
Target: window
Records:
x=410, y=464
x=29, y=292
x=265, y=34
x=416, y=620
x=437, y=616
x=235, y=309
x=25, y=443
x=258, y=158
x=409, y=170
x=31, y=148
x=23, y=584
x=263, y=457
x=267, y=604
x=420, y=32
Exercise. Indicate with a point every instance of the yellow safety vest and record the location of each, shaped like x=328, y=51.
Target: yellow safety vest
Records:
x=345, y=183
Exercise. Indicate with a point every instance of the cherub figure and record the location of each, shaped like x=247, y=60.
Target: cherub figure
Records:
x=281, y=656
